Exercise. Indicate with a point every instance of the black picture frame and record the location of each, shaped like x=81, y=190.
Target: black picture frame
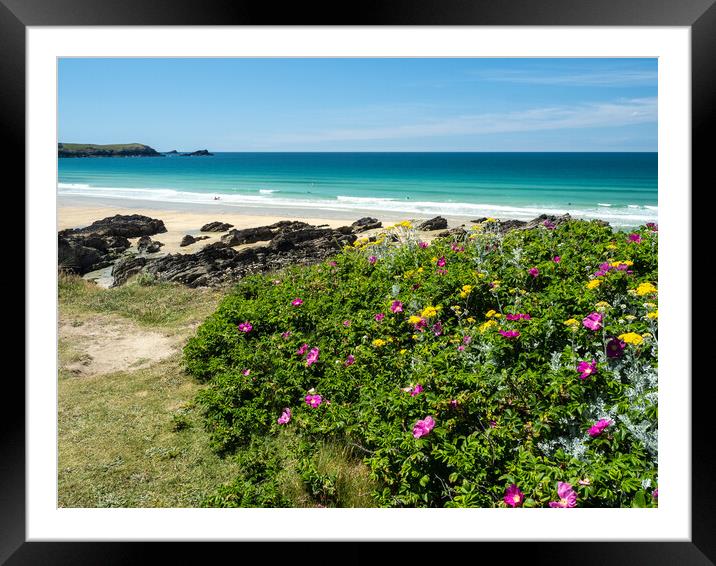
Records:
x=698, y=15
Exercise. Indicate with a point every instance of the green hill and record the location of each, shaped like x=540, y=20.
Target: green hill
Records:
x=111, y=150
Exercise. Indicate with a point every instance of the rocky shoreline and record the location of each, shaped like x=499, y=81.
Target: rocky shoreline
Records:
x=105, y=243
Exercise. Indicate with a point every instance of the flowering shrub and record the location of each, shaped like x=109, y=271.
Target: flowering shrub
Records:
x=527, y=387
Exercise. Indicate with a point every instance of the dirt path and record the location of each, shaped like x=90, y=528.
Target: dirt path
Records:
x=105, y=344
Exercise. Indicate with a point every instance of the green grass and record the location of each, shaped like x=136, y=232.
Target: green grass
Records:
x=164, y=305
x=120, y=446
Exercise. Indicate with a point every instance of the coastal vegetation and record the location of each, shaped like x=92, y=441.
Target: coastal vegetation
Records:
x=485, y=369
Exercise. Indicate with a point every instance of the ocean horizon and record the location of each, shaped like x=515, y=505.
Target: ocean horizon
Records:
x=619, y=187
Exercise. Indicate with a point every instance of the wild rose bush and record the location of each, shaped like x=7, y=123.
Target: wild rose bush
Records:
x=462, y=372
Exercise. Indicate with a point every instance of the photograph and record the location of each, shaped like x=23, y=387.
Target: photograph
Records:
x=358, y=282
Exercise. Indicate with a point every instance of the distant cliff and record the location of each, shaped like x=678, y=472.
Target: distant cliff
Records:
x=115, y=150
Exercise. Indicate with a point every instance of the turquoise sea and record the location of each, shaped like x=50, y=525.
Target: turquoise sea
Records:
x=618, y=187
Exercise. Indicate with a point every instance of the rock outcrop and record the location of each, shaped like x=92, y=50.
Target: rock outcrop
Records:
x=219, y=264
x=146, y=245
x=366, y=223
x=198, y=153
x=216, y=227
x=437, y=223
x=125, y=225
x=189, y=240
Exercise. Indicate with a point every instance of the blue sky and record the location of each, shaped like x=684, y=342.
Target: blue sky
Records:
x=414, y=104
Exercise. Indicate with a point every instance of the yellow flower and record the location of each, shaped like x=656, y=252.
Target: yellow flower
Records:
x=653, y=315
x=480, y=274
x=471, y=320
x=490, y=313
x=403, y=352
x=434, y=258
x=611, y=247
x=466, y=289
x=489, y=220
x=379, y=342
x=421, y=269
x=602, y=305
x=429, y=312
x=625, y=262
x=571, y=322
x=414, y=319
x=645, y=289
x=594, y=283
x=405, y=224
x=487, y=325
x=631, y=338
x=408, y=274
x=649, y=305
x=629, y=317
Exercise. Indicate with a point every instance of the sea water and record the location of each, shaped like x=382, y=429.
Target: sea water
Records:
x=620, y=188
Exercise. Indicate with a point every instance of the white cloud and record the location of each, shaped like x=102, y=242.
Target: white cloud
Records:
x=621, y=77
x=595, y=115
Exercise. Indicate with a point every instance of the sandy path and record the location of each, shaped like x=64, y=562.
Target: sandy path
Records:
x=104, y=344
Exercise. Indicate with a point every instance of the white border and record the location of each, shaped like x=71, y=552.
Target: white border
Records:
x=671, y=521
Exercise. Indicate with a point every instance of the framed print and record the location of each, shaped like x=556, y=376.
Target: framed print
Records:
x=359, y=398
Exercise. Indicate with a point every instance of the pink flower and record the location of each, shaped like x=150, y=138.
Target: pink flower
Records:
x=245, y=326
x=466, y=339
x=454, y=247
x=297, y=302
x=518, y=316
x=312, y=356
x=586, y=369
x=585, y=481
x=513, y=496
x=567, y=496
x=438, y=328
x=372, y=259
x=346, y=323
x=302, y=349
x=461, y=348
x=493, y=424
x=313, y=401
x=350, y=360
x=510, y=333
x=636, y=238
x=652, y=226
x=423, y=427
x=332, y=264
x=556, y=259
x=454, y=403
x=246, y=372
x=533, y=271
x=396, y=307
x=442, y=271
x=597, y=428
x=441, y=262
x=380, y=316
x=285, y=416
x=421, y=324
x=549, y=225
x=416, y=390
x=655, y=493
x=286, y=334
x=593, y=321
x=423, y=244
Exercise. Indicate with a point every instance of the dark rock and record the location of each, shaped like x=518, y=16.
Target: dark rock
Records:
x=345, y=229
x=366, y=223
x=125, y=268
x=437, y=223
x=172, y=152
x=507, y=225
x=248, y=236
x=198, y=153
x=458, y=232
x=81, y=253
x=146, y=245
x=216, y=227
x=219, y=264
x=189, y=240
x=124, y=225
